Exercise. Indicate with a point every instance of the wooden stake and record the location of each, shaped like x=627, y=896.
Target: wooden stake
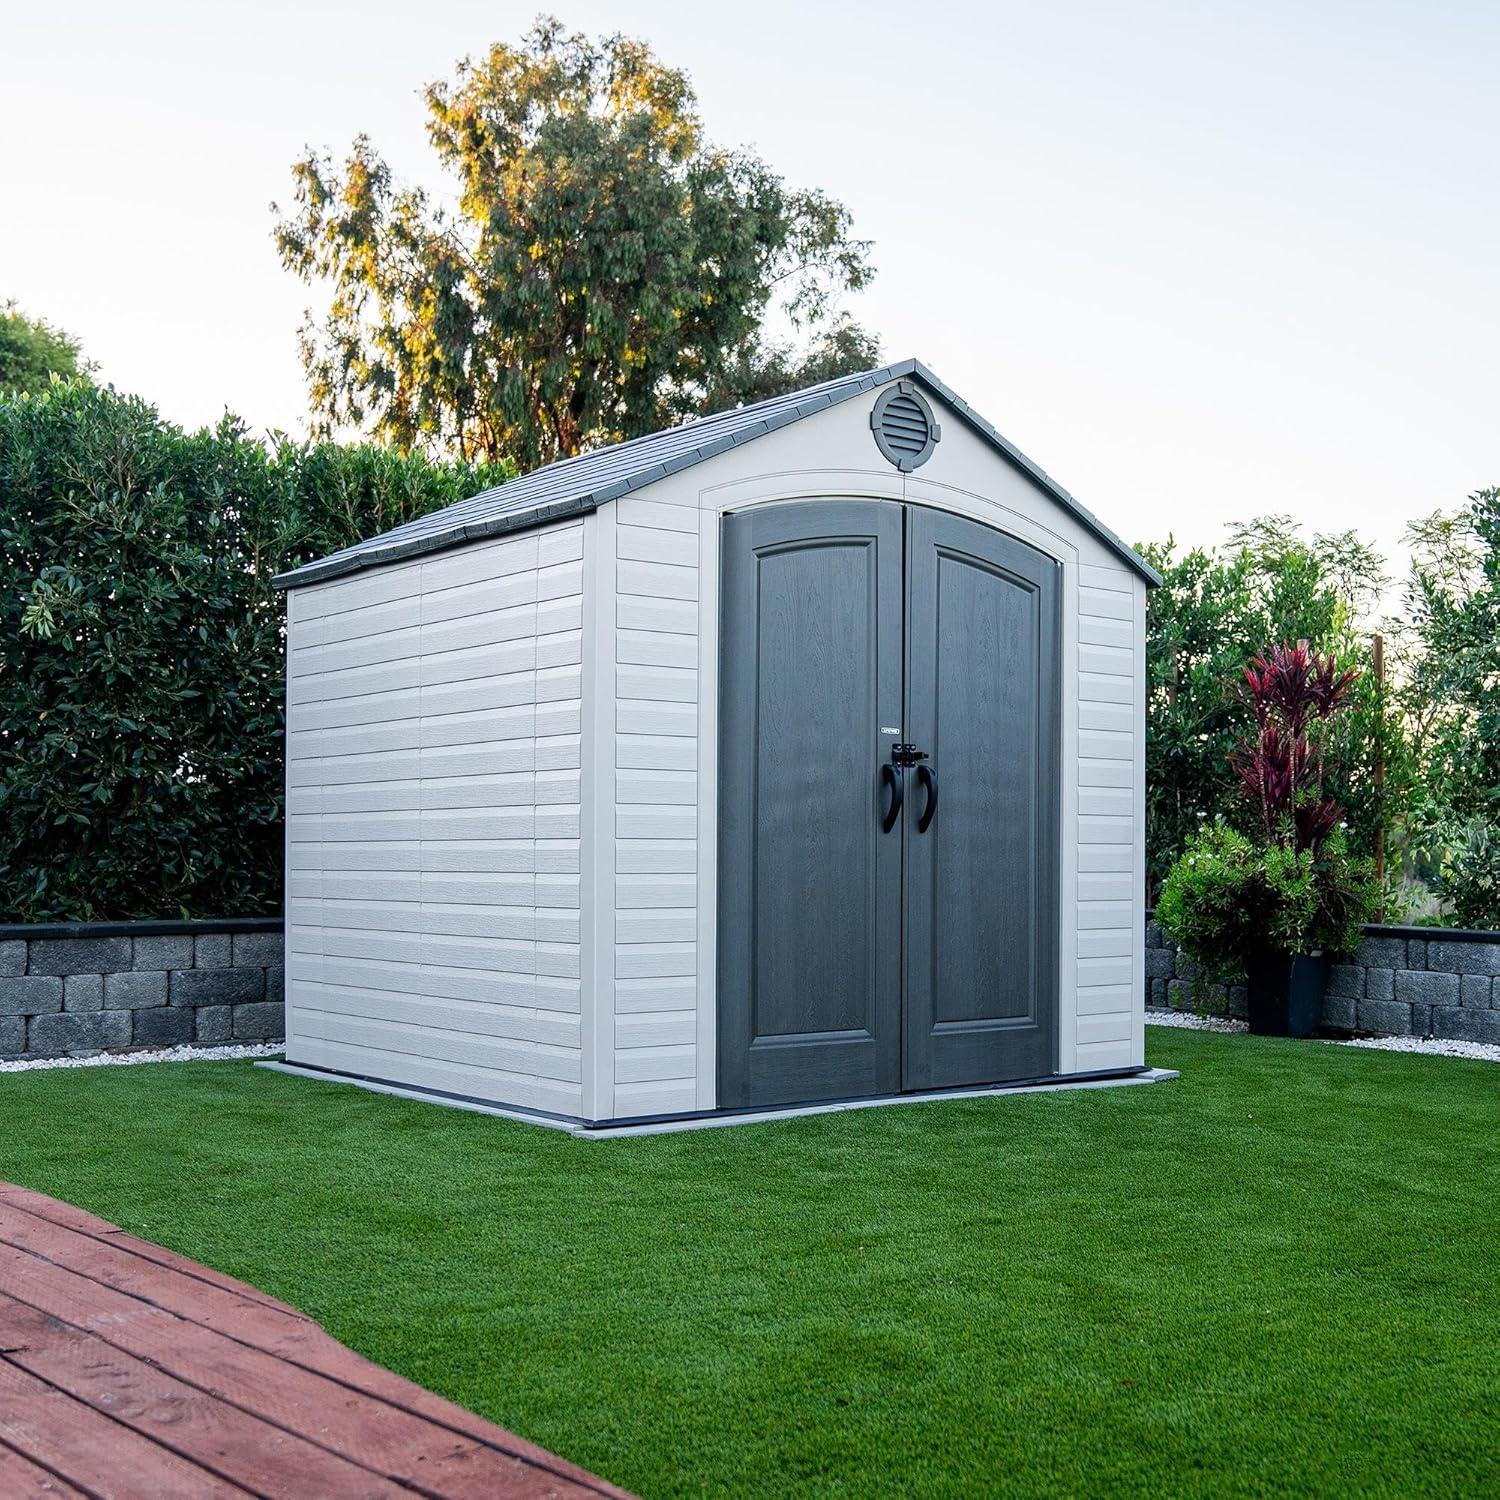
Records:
x=1378, y=653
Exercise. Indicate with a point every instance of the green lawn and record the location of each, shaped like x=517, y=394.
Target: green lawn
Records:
x=1278, y=1274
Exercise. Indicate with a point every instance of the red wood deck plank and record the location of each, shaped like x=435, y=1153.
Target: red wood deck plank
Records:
x=277, y=1330
x=230, y=1358
x=221, y=1438
x=93, y=1452
x=20, y=1479
x=55, y=1211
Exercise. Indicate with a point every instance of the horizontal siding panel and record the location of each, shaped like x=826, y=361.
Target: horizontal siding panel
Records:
x=1104, y=914
x=1093, y=772
x=530, y=1059
x=1107, y=942
x=643, y=892
x=482, y=562
x=1116, y=580
x=657, y=684
x=1097, y=687
x=558, y=752
x=656, y=961
x=1097, y=858
x=1106, y=660
x=657, y=580
x=1106, y=999
x=558, y=582
x=444, y=1075
x=492, y=626
x=647, y=1029
x=654, y=751
x=656, y=822
x=488, y=856
x=1106, y=830
x=1106, y=801
x=656, y=926
x=1105, y=1028
x=1100, y=1057
x=503, y=1022
x=645, y=544
x=662, y=515
x=656, y=856
x=657, y=718
x=679, y=993
x=655, y=1064
x=515, y=758
x=559, y=544
x=1093, y=887
x=1106, y=744
x=656, y=648
x=1093, y=972
x=668, y=1097
x=672, y=616
x=477, y=600
x=1118, y=716
x=1106, y=603
x=656, y=786
x=1100, y=634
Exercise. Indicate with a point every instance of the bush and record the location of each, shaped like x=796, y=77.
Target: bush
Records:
x=1230, y=897
x=1467, y=873
x=141, y=646
x=1291, y=885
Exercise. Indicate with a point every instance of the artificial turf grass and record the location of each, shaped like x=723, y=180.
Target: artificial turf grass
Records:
x=1276, y=1274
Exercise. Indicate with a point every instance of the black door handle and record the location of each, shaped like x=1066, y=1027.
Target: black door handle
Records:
x=927, y=776
x=895, y=778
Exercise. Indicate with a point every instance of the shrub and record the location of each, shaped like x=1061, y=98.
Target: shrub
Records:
x=1290, y=885
x=141, y=646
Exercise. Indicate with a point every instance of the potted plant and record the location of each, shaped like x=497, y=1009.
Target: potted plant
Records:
x=1272, y=899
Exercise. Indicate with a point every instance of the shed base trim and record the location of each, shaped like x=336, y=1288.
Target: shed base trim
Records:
x=703, y=1120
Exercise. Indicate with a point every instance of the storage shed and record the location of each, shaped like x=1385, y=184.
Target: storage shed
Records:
x=791, y=755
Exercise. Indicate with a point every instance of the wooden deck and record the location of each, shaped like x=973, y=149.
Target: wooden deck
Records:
x=128, y=1371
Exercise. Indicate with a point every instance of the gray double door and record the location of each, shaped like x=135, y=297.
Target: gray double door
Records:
x=888, y=804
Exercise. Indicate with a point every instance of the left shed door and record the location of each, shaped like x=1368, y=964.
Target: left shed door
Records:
x=809, y=885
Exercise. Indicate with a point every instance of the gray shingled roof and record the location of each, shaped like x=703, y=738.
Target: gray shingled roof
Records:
x=574, y=486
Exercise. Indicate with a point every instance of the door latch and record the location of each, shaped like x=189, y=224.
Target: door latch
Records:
x=906, y=755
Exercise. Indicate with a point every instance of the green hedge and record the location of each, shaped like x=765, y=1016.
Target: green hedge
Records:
x=141, y=646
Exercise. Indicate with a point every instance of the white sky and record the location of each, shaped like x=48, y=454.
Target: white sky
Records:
x=1198, y=260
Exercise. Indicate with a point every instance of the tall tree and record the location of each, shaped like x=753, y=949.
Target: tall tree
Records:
x=32, y=351
x=604, y=268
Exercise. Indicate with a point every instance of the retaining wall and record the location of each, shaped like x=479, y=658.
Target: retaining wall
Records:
x=75, y=989
x=1403, y=981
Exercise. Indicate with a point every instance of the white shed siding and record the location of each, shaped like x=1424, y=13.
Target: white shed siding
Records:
x=665, y=817
x=656, y=797
x=433, y=898
x=1110, y=792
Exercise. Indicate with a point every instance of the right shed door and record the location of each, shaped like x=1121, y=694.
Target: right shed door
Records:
x=980, y=928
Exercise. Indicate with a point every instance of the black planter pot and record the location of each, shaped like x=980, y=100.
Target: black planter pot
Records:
x=1284, y=993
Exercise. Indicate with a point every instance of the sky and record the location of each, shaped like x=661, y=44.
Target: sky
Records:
x=1200, y=261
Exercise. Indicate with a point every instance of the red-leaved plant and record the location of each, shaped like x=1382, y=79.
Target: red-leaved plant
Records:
x=1282, y=767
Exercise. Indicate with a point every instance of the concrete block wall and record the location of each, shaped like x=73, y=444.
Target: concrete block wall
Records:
x=77, y=989
x=1403, y=981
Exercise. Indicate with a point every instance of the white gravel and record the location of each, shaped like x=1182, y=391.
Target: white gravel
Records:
x=165, y=1054
x=1429, y=1046
x=1188, y=1022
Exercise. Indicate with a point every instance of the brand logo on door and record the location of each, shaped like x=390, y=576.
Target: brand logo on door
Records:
x=889, y=729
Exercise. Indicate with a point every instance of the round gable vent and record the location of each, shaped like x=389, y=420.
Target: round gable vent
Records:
x=904, y=427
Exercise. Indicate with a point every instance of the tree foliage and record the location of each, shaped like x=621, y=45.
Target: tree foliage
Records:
x=1450, y=695
x=1215, y=610
x=602, y=271
x=32, y=352
x=141, y=646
